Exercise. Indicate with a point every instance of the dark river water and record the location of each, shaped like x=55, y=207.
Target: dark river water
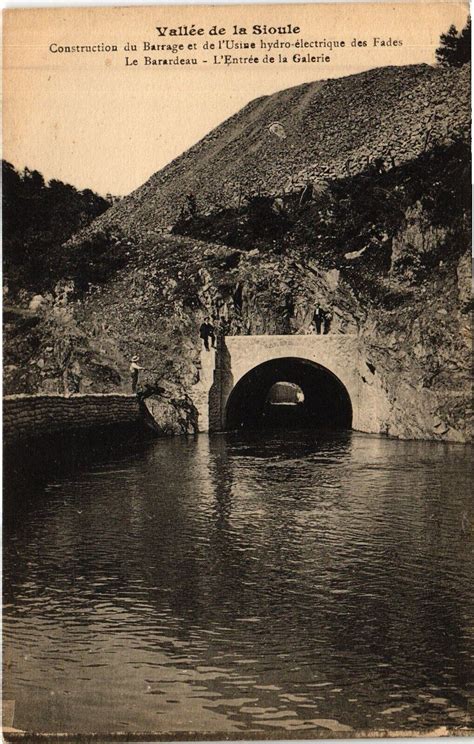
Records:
x=288, y=585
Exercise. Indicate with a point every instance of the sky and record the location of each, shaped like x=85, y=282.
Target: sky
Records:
x=95, y=122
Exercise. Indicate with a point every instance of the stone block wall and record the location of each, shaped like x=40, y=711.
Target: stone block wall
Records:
x=33, y=416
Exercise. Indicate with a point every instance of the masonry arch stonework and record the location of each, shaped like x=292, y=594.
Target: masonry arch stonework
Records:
x=340, y=354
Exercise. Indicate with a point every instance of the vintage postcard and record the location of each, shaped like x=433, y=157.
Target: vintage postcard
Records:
x=237, y=372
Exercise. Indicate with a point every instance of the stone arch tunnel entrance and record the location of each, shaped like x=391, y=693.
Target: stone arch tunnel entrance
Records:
x=338, y=387
x=323, y=404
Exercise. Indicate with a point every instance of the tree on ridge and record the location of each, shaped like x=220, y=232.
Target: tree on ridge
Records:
x=455, y=48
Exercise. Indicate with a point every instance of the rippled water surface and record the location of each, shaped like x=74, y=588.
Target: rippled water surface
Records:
x=284, y=585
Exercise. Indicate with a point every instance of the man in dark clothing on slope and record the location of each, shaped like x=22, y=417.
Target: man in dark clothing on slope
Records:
x=206, y=332
x=318, y=318
x=327, y=321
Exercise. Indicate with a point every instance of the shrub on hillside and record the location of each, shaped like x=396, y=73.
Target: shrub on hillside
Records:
x=360, y=213
x=94, y=260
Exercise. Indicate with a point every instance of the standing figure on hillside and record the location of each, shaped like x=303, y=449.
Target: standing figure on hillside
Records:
x=135, y=370
x=318, y=318
x=327, y=321
x=206, y=332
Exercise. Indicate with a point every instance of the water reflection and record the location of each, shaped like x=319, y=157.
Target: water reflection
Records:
x=292, y=583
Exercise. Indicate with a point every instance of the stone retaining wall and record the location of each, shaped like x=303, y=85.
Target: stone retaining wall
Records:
x=32, y=416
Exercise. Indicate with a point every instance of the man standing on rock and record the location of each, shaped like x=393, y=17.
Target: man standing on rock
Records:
x=327, y=321
x=134, y=372
x=318, y=318
x=206, y=332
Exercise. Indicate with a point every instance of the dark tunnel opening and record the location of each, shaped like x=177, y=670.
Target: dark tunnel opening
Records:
x=323, y=404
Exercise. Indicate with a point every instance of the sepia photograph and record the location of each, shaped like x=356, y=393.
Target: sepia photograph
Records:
x=237, y=372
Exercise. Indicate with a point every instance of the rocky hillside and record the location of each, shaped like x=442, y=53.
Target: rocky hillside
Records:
x=384, y=242
x=325, y=130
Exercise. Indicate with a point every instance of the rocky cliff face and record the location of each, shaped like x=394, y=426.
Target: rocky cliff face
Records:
x=384, y=243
